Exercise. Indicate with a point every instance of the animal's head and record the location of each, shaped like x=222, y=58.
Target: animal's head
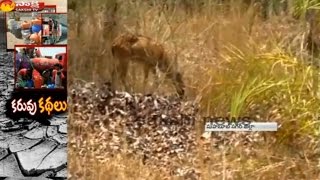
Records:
x=121, y=44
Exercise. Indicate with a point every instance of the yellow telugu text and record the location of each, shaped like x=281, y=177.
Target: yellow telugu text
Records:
x=49, y=106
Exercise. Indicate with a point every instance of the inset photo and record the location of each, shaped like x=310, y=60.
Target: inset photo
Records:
x=25, y=27
x=40, y=67
x=55, y=28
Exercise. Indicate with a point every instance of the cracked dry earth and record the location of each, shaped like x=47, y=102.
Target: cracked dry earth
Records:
x=161, y=130
x=28, y=148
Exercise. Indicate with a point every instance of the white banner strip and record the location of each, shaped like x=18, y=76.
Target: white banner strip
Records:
x=241, y=126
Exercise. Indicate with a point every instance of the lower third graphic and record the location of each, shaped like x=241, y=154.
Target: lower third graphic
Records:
x=241, y=126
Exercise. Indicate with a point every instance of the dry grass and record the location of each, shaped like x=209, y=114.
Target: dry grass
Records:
x=233, y=64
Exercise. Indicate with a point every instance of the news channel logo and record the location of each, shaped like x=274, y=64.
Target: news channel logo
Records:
x=7, y=5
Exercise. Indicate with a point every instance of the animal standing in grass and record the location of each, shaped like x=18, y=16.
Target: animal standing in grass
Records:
x=149, y=54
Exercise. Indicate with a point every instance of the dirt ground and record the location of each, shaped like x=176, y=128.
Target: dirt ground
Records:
x=12, y=40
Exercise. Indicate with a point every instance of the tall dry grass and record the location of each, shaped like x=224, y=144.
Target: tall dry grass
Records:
x=233, y=62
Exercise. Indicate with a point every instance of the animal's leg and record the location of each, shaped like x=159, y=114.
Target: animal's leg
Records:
x=178, y=83
x=146, y=69
x=119, y=73
x=133, y=73
x=123, y=71
x=180, y=86
x=114, y=75
x=172, y=74
x=156, y=73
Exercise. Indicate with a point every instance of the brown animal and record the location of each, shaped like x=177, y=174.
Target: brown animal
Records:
x=150, y=54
